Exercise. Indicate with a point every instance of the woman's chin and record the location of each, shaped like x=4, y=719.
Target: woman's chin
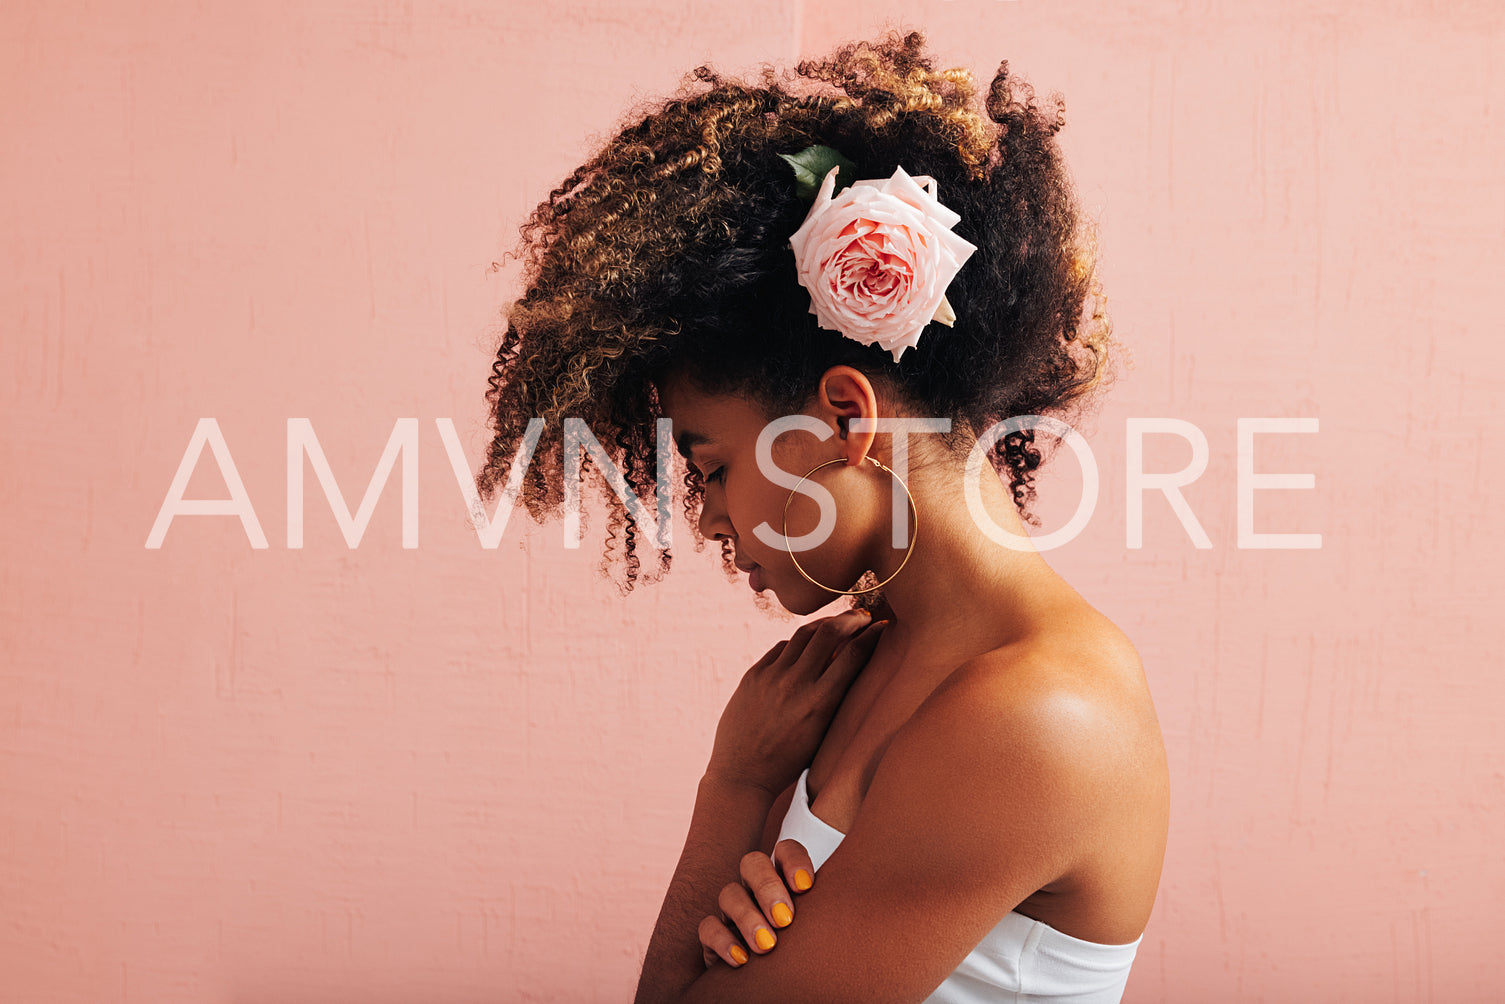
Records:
x=807, y=603
x=800, y=602
x=763, y=587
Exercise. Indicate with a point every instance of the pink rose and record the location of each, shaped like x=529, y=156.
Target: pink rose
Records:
x=877, y=259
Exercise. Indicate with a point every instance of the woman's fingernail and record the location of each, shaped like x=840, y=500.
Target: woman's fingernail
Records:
x=739, y=954
x=802, y=880
x=781, y=915
x=764, y=937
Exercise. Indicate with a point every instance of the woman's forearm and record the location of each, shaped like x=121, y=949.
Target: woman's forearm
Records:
x=727, y=822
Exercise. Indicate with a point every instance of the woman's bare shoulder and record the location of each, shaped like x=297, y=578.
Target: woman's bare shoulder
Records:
x=1076, y=646
x=1077, y=677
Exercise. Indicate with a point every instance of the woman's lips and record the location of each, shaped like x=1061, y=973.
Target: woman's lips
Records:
x=755, y=578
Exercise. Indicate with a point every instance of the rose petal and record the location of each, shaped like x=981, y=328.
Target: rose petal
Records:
x=877, y=258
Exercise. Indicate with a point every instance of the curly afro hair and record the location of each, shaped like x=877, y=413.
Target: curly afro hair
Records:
x=667, y=252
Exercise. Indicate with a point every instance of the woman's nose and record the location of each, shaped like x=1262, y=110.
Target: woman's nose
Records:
x=713, y=520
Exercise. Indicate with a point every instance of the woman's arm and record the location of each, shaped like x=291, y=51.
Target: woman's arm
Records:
x=771, y=727
x=728, y=821
x=988, y=793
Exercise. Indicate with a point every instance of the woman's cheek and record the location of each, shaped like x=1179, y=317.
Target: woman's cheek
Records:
x=744, y=514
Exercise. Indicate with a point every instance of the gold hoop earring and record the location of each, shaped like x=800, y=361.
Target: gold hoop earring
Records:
x=912, y=508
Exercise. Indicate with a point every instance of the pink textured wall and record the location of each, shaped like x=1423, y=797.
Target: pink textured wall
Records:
x=453, y=774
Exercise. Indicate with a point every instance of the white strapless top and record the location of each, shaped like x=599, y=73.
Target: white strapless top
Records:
x=1020, y=961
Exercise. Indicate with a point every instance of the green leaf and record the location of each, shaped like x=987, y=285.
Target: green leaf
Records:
x=812, y=164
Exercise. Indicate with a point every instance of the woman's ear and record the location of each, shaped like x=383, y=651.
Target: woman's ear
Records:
x=846, y=393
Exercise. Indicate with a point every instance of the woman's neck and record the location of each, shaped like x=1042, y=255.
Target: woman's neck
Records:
x=958, y=583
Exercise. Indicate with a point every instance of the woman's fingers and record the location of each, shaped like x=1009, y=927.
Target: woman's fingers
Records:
x=795, y=864
x=852, y=656
x=738, y=906
x=718, y=942
x=768, y=890
x=821, y=640
x=756, y=905
x=771, y=655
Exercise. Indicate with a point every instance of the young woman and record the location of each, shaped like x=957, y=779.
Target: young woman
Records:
x=834, y=286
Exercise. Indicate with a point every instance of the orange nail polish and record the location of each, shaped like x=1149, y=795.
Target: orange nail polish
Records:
x=802, y=879
x=764, y=937
x=738, y=954
x=781, y=915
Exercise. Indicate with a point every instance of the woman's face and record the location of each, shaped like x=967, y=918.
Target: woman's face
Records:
x=718, y=436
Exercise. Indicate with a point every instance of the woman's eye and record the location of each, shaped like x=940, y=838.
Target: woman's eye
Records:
x=719, y=474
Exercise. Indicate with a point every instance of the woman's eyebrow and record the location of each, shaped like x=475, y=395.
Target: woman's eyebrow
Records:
x=689, y=440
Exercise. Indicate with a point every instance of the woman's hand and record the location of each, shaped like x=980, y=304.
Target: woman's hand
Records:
x=753, y=907
x=779, y=713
